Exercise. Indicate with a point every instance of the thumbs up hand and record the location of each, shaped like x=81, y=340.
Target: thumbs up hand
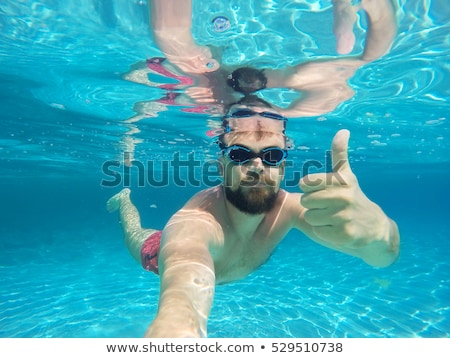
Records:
x=340, y=216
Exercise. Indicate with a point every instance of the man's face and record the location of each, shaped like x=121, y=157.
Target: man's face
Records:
x=253, y=186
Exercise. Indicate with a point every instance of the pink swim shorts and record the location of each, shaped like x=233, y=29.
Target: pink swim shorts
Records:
x=149, y=252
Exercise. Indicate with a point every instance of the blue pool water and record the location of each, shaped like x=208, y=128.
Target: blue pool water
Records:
x=64, y=270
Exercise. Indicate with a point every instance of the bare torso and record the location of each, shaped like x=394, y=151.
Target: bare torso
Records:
x=250, y=245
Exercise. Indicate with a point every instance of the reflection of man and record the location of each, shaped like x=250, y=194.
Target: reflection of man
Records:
x=323, y=84
x=226, y=232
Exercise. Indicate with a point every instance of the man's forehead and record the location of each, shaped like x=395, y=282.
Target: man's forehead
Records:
x=255, y=139
x=256, y=124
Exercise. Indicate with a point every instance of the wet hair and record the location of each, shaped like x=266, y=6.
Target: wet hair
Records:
x=247, y=80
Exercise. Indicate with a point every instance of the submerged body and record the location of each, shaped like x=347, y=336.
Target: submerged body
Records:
x=213, y=240
x=224, y=233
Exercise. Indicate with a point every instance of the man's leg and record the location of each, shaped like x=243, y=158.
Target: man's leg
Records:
x=136, y=238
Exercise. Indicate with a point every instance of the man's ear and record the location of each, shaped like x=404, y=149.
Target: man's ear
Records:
x=282, y=168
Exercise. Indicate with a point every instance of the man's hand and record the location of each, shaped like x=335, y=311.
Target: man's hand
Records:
x=341, y=216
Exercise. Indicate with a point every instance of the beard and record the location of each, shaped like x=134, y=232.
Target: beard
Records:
x=254, y=201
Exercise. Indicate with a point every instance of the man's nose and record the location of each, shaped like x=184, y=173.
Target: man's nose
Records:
x=256, y=165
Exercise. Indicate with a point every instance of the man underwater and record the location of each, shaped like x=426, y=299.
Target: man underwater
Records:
x=224, y=233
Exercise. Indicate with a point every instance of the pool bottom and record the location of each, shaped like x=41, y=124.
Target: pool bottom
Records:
x=84, y=284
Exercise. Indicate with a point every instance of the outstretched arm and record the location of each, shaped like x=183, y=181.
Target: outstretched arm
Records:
x=171, y=23
x=337, y=214
x=187, y=275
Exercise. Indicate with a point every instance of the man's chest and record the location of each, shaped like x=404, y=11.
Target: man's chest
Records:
x=239, y=257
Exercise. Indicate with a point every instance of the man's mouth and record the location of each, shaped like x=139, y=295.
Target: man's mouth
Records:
x=254, y=185
x=257, y=183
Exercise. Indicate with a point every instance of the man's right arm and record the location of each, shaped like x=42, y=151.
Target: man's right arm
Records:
x=187, y=275
x=171, y=23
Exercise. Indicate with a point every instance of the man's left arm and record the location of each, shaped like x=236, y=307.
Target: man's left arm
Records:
x=340, y=216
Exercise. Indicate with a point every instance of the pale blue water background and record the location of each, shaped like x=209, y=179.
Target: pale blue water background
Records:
x=64, y=270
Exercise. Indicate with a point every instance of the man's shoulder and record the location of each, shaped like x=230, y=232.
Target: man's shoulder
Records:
x=198, y=217
x=292, y=202
x=204, y=198
x=291, y=196
x=207, y=203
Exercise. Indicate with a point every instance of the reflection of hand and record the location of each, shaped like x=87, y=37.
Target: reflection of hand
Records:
x=344, y=18
x=146, y=109
x=200, y=94
x=337, y=209
x=208, y=63
x=195, y=60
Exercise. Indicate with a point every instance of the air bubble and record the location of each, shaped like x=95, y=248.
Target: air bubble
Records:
x=221, y=24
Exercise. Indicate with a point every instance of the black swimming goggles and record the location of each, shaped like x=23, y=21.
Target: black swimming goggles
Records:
x=245, y=112
x=239, y=154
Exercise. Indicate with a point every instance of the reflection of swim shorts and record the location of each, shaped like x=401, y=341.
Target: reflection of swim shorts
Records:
x=149, y=252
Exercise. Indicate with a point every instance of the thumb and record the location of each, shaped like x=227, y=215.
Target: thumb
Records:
x=344, y=19
x=339, y=151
